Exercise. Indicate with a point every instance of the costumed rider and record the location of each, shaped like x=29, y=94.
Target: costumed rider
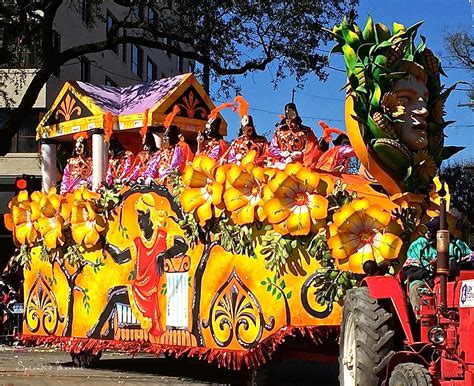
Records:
x=340, y=158
x=78, y=170
x=120, y=162
x=174, y=155
x=292, y=141
x=421, y=256
x=142, y=159
x=212, y=142
x=248, y=139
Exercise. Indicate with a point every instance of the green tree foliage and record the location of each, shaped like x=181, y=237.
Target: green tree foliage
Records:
x=459, y=177
x=227, y=37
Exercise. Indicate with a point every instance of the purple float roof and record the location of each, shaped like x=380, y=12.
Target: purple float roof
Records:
x=132, y=99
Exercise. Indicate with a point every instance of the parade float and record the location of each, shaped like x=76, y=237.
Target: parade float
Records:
x=228, y=261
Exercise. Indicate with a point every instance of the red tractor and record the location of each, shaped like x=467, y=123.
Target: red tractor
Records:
x=384, y=343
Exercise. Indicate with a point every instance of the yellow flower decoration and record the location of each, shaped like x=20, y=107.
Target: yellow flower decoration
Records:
x=425, y=168
x=244, y=189
x=25, y=211
x=86, y=223
x=296, y=207
x=357, y=235
x=391, y=105
x=50, y=225
x=204, y=187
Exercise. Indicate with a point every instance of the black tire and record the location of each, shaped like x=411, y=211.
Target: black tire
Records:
x=366, y=342
x=85, y=359
x=410, y=374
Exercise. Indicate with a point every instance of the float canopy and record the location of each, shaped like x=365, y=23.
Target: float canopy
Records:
x=81, y=107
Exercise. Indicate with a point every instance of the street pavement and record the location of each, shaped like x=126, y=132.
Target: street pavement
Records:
x=49, y=366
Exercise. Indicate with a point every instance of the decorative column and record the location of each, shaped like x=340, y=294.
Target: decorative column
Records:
x=98, y=170
x=48, y=165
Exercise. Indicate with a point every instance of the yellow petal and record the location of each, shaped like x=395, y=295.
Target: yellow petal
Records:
x=387, y=245
x=216, y=193
x=194, y=178
x=23, y=196
x=319, y=206
x=381, y=216
x=357, y=260
x=360, y=204
x=204, y=213
x=234, y=199
x=245, y=215
x=192, y=198
x=8, y=221
x=308, y=178
x=50, y=240
x=275, y=211
x=343, y=245
x=205, y=165
x=299, y=222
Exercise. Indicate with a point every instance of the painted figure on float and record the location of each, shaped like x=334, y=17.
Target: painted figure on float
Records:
x=78, y=170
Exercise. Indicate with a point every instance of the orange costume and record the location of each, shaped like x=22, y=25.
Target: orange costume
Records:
x=144, y=289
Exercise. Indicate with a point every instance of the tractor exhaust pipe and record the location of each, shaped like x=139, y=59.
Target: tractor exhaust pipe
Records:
x=442, y=247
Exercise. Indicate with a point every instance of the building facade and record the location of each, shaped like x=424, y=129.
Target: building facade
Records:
x=125, y=65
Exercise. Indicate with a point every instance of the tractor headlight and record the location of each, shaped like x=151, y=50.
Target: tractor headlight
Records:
x=436, y=334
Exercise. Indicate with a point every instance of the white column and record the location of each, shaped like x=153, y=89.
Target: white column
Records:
x=98, y=174
x=48, y=166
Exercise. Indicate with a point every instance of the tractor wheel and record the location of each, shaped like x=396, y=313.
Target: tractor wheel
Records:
x=85, y=359
x=366, y=341
x=410, y=374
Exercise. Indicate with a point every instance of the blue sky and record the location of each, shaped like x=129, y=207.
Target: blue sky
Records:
x=323, y=100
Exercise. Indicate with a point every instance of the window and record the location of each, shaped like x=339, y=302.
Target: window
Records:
x=124, y=48
x=152, y=16
x=137, y=60
x=180, y=64
x=111, y=23
x=24, y=140
x=86, y=12
x=151, y=70
x=57, y=49
x=85, y=69
x=138, y=13
x=190, y=66
x=110, y=82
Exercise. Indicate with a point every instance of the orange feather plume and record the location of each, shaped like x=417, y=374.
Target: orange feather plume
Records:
x=327, y=131
x=83, y=135
x=214, y=112
x=108, y=126
x=243, y=106
x=169, y=118
x=144, y=127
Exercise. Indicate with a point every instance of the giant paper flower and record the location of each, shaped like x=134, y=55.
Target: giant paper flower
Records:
x=25, y=211
x=296, y=207
x=204, y=186
x=243, y=194
x=51, y=223
x=86, y=223
x=357, y=235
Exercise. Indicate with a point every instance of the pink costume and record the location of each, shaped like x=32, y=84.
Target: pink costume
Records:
x=139, y=165
x=77, y=172
x=172, y=158
x=215, y=148
x=119, y=168
x=152, y=169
